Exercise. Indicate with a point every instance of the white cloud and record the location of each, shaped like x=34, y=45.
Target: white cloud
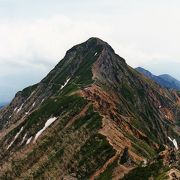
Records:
x=35, y=37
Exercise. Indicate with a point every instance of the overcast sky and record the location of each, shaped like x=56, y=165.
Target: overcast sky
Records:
x=35, y=34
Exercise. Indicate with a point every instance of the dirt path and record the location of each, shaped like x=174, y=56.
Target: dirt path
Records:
x=101, y=170
x=174, y=174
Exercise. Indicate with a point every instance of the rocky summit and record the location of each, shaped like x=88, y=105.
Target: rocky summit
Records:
x=91, y=117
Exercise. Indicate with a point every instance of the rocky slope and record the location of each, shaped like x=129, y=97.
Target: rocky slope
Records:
x=92, y=117
x=164, y=80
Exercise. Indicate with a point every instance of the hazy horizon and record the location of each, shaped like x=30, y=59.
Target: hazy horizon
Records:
x=36, y=34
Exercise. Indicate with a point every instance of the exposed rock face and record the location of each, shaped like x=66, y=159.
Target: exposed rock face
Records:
x=102, y=111
x=125, y=158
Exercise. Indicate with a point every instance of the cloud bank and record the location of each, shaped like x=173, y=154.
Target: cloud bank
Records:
x=34, y=36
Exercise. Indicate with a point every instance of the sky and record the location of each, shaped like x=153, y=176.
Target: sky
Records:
x=35, y=34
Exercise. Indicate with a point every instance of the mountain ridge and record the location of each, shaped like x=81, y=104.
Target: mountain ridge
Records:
x=165, y=80
x=92, y=112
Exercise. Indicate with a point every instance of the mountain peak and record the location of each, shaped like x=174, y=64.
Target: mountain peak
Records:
x=91, y=43
x=97, y=41
x=91, y=112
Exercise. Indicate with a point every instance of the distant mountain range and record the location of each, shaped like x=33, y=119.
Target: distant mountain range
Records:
x=2, y=105
x=165, y=80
